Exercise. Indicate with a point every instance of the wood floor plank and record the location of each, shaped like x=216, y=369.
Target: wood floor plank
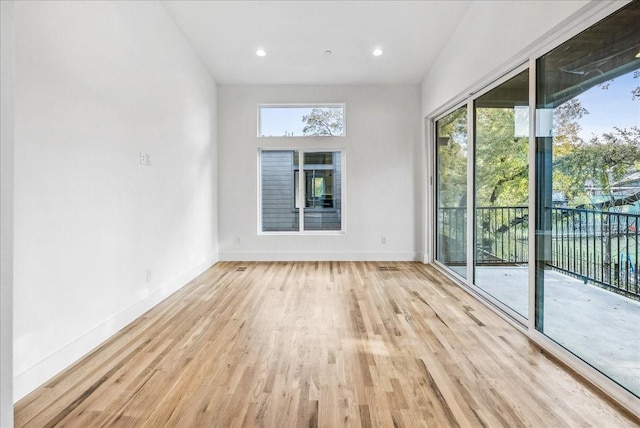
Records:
x=318, y=344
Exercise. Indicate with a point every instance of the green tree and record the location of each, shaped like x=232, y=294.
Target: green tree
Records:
x=323, y=122
x=502, y=160
x=566, y=129
x=452, y=159
x=604, y=160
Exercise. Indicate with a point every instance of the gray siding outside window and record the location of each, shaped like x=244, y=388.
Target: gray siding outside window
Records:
x=278, y=212
x=278, y=177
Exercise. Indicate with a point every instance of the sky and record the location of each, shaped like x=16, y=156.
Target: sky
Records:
x=280, y=121
x=613, y=107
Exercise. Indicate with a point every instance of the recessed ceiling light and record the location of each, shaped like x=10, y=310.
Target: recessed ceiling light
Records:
x=377, y=52
x=328, y=52
x=261, y=52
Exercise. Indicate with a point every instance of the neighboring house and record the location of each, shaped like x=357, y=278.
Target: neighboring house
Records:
x=322, y=195
x=625, y=194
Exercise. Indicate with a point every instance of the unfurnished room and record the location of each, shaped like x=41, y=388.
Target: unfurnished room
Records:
x=320, y=213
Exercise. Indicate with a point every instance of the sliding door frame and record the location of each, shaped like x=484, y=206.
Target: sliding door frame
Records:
x=592, y=13
x=432, y=227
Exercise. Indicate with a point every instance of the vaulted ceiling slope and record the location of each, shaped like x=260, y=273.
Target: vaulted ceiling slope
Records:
x=296, y=35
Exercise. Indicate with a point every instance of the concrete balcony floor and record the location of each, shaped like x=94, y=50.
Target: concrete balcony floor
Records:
x=599, y=326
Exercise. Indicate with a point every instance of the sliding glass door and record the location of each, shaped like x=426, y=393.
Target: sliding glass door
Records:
x=584, y=274
x=451, y=191
x=501, y=192
x=588, y=196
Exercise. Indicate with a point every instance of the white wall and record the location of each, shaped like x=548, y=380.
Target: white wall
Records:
x=486, y=41
x=7, y=63
x=97, y=83
x=382, y=143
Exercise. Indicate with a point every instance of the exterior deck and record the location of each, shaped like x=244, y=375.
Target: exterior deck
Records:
x=601, y=326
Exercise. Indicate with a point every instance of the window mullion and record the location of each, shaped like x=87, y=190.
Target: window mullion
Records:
x=301, y=190
x=532, y=196
x=470, y=195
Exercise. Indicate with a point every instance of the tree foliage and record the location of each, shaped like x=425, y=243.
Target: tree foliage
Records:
x=452, y=159
x=323, y=122
x=502, y=159
x=604, y=160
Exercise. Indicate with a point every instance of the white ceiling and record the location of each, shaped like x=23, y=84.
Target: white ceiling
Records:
x=296, y=34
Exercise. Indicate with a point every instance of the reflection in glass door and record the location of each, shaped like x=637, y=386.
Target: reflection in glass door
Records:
x=501, y=188
x=588, y=196
x=451, y=190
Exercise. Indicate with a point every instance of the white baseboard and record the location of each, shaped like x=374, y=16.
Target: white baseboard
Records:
x=30, y=379
x=282, y=256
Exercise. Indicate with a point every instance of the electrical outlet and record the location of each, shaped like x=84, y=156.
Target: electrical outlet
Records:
x=237, y=240
x=383, y=240
x=148, y=275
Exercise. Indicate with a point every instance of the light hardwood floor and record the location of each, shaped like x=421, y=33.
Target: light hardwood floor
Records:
x=318, y=344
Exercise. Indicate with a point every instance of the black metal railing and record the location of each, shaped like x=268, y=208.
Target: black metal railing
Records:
x=599, y=247
x=502, y=235
x=452, y=236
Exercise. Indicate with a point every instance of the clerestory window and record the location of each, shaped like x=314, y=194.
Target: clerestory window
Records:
x=309, y=120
